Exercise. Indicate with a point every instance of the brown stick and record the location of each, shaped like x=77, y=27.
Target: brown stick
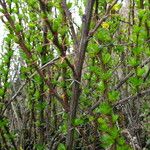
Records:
x=78, y=71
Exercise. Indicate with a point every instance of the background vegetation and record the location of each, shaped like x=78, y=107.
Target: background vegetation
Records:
x=75, y=75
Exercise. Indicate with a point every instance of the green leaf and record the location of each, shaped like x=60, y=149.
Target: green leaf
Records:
x=15, y=1
x=101, y=86
x=114, y=95
x=91, y=118
x=135, y=81
x=133, y=61
x=107, y=140
x=78, y=121
x=93, y=49
x=39, y=48
x=114, y=132
x=107, y=75
x=104, y=127
x=121, y=141
x=137, y=50
x=37, y=94
x=8, y=39
x=123, y=147
x=69, y=5
x=141, y=13
x=20, y=16
x=106, y=57
x=32, y=25
x=101, y=120
x=63, y=30
x=136, y=29
x=105, y=108
x=39, y=147
x=63, y=128
x=41, y=106
x=2, y=10
x=6, y=59
x=1, y=91
x=140, y=71
x=61, y=146
x=38, y=79
x=119, y=48
x=3, y=122
x=115, y=118
x=86, y=76
x=18, y=27
x=56, y=23
x=95, y=69
x=103, y=35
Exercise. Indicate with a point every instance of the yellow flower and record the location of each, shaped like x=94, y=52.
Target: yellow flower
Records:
x=105, y=25
x=116, y=7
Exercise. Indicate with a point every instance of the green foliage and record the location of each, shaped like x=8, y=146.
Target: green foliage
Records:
x=78, y=121
x=61, y=146
x=113, y=95
x=3, y=122
x=107, y=140
x=101, y=86
x=106, y=58
x=133, y=61
x=1, y=91
x=114, y=118
x=104, y=108
x=135, y=81
x=140, y=71
x=71, y=78
x=103, y=35
x=39, y=147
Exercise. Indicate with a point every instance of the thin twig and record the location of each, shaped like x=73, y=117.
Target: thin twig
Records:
x=69, y=17
x=140, y=94
x=107, y=14
x=129, y=75
x=22, y=86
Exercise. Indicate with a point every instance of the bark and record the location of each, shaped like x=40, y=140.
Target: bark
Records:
x=78, y=71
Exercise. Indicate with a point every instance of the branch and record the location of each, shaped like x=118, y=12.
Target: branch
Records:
x=22, y=86
x=129, y=75
x=55, y=34
x=140, y=94
x=79, y=60
x=107, y=14
x=124, y=100
x=86, y=20
x=92, y=32
x=13, y=98
x=22, y=44
x=119, y=85
x=69, y=17
x=45, y=18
